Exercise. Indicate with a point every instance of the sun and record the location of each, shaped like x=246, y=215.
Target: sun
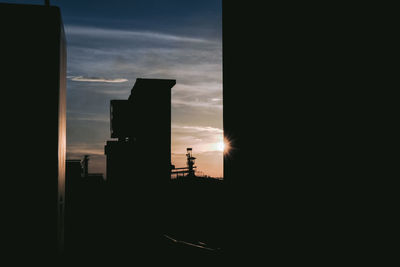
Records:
x=220, y=146
x=226, y=146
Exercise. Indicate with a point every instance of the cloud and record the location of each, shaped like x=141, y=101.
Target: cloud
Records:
x=125, y=34
x=83, y=116
x=198, y=129
x=85, y=149
x=200, y=138
x=179, y=102
x=96, y=79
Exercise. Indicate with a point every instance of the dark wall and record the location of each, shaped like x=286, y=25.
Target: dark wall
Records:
x=286, y=108
x=33, y=64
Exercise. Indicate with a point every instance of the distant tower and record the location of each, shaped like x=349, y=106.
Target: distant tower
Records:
x=190, y=162
x=86, y=165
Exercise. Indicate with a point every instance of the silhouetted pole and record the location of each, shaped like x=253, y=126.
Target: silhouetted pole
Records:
x=190, y=162
x=47, y=2
x=86, y=165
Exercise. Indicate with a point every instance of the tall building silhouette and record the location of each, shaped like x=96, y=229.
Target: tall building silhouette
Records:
x=33, y=64
x=142, y=127
x=139, y=163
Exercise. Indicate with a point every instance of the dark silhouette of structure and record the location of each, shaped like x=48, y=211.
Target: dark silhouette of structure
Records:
x=142, y=126
x=190, y=162
x=74, y=195
x=86, y=165
x=189, y=170
x=33, y=71
x=139, y=162
x=85, y=212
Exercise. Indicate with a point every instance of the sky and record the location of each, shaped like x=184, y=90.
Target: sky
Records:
x=111, y=43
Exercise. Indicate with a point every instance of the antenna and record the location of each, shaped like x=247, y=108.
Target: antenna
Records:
x=47, y=2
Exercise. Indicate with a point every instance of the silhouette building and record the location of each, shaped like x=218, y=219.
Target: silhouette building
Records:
x=139, y=162
x=85, y=209
x=142, y=127
x=33, y=64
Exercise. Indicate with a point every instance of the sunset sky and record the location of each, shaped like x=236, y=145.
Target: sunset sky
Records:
x=111, y=43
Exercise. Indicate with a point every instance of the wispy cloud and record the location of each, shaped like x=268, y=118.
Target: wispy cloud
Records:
x=123, y=34
x=200, y=138
x=96, y=79
x=180, y=102
x=82, y=116
x=197, y=129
